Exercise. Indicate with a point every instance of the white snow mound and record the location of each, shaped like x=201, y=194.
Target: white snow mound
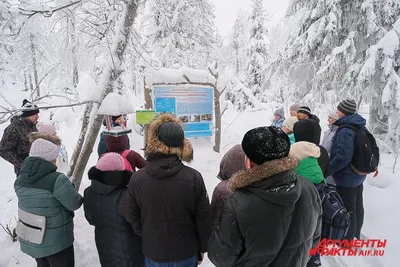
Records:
x=170, y=76
x=115, y=104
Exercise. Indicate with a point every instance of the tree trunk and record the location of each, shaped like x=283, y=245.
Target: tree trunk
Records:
x=148, y=104
x=217, y=112
x=75, y=72
x=34, y=64
x=26, y=88
x=81, y=139
x=109, y=77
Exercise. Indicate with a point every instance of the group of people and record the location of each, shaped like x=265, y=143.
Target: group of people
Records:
x=155, y=211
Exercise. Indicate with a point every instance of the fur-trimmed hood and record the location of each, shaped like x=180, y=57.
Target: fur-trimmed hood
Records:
x=261, y=172
x=51, y=138
x=155, y=146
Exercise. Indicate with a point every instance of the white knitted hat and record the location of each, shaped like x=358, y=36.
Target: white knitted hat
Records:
x=44, y=149
x=302, y=150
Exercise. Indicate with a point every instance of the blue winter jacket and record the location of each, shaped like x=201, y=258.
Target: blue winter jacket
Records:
x=278, y=123
x=343, y=146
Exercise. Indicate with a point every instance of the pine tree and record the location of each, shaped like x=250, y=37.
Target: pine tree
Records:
x=326, y=53
x=257, y=49
x=180, y=32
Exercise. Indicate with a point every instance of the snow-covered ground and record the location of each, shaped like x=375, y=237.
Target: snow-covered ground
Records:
x=380, y=194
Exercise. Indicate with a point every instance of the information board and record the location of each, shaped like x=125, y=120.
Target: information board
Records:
x=193, y=105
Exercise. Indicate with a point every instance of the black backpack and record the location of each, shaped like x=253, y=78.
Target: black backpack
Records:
x=366, y=153
x=335, y=217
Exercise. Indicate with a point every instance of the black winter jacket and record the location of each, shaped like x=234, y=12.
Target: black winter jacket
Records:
x=272, y=219
x=168, y=205
x=323, y=161
x=116, y=243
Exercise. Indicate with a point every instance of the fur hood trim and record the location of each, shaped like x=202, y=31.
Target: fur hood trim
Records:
x=51, y=138
x=155, y=146
x=260, y=172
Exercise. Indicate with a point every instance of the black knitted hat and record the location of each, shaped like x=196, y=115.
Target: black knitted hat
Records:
x=30, y=109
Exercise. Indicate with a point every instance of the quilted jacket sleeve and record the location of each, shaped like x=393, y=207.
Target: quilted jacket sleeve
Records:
x=8, y=146
x=132, y=210
x=66, y=193
x=226, y=242
x=342, y=150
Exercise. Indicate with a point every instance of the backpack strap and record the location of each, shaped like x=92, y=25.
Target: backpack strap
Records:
x=353, y=127
x=125, y=153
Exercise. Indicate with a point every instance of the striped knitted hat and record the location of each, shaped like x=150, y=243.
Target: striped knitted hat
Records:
x=347, y=107
x=304, y=109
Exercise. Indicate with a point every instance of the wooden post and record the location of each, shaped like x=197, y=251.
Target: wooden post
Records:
x=148, y=104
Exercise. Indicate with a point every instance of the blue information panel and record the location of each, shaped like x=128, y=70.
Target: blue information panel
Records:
x=194, y=106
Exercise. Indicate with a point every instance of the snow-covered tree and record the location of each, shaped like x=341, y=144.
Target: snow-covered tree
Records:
x=257, y=49
x=179, y=32
x=326, y=55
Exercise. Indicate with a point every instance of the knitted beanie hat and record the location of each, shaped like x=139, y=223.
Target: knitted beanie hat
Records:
x=171, y=134
x=280, y=112
x=111, y=162
x=295, y=107
x=302, y=150
x=44, y=149
x=289, y=123
x=305, y=110
x=264, y=144
x=30, y=111
x=333, y=115
x=46, y=128
x=308, y=131
x=232, y=162
x=347, y=107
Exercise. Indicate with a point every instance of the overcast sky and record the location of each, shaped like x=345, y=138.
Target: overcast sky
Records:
x=226, y=11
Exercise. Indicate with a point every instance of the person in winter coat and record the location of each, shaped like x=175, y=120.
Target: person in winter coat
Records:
x=231, y=163
x=118, y=145
x=310, y=131
x=273, y=217
x=46, y=196
x=304, y=113
x=349, y=184
x=307, y=153
x=279, y=117
x=167, y=202
x=116, y=243
x=330, y=133
x=328, y=137
x=15, y=145
x=49, y=129
x=102, y=148
x=287, y=128
x=294, y=109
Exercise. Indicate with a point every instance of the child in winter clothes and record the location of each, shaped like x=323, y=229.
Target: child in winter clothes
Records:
x=279, y=118
x=62, y=159
x=116, y=243
x=310, y=131
x=232, y=162
x=307, y=154
x=287, y=127
x=118, y=145
x=46, y=201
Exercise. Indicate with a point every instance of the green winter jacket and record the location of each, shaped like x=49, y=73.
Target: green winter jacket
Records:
x=309, y=168
x=43, y=191
x=291, y=138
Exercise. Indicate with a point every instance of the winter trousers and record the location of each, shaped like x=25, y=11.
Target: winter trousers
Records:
x=65, y=258
x=190, y=262
x=353, y=201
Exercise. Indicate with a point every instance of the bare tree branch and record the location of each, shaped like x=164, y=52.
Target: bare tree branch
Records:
x=48, y=12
